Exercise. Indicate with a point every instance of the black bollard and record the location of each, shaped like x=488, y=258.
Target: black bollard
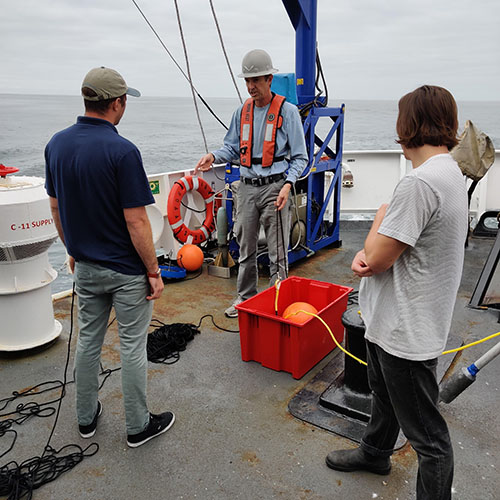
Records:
x=355, y=374
x=350, y=394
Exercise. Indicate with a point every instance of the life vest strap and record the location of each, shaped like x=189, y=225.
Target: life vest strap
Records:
x=274, y=121
x=258, y=161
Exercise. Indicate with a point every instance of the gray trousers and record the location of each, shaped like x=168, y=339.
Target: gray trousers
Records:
x=256, y=207
x=405, y=395
x=98, y=289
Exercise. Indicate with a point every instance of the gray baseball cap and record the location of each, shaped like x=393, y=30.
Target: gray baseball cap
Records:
x=107, y=84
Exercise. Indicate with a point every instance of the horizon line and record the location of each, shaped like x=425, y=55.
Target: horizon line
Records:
x=231, y=98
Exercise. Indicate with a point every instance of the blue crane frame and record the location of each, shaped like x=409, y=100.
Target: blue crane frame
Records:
x=319, y=233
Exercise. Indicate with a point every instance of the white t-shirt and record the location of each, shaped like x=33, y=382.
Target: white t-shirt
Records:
x=407, y=309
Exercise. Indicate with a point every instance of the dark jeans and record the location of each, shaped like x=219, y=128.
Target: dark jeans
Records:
x=405, y=395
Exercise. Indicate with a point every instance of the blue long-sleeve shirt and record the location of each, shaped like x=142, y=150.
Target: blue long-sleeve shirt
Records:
x=290, y=142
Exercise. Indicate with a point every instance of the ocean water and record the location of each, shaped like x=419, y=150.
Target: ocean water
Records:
x=166, y=131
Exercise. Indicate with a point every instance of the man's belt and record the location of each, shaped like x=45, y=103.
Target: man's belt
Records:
x=258, y=161
x=261, y=181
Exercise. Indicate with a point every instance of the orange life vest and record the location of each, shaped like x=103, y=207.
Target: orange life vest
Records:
x=274, y=121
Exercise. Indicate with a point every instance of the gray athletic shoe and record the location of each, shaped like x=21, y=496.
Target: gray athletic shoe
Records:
x=231, y=311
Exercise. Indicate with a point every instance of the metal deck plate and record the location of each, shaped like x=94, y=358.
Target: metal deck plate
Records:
x=313, y=404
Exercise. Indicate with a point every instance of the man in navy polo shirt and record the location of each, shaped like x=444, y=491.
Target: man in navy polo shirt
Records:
x=98, y=192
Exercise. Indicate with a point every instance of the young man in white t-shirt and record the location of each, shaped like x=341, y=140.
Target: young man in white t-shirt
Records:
x=411, y=265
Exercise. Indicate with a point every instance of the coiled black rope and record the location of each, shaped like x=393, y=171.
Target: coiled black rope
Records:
x=167, y=341
x=25, y=411
x=18, y=481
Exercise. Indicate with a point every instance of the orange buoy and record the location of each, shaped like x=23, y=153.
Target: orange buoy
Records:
x=291, y=313
x=190, y=257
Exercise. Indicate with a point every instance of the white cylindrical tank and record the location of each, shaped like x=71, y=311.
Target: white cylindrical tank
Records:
x=26, y=232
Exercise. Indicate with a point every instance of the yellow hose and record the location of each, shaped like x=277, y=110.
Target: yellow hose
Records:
x=277, y=286
x=471, y=344
x=330, y=332
x=360, y=360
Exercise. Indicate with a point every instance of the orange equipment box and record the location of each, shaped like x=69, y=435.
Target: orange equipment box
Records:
x=282, y=345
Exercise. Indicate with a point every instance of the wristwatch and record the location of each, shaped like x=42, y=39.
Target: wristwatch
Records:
x=156, y=274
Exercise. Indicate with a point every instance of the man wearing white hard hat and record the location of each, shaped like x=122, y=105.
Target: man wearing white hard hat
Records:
x=98, y=192
x=266, y=138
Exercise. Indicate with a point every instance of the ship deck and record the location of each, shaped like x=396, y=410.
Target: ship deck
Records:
x=234, y=436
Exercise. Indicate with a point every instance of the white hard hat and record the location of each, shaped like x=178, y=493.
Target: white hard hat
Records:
x=257, y=63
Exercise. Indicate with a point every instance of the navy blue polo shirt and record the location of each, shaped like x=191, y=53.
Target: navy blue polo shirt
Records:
x=95, y=173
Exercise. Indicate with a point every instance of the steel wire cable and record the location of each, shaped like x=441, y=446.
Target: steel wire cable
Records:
x=205, y=103
x=224, y=49
x=298, y=220
x=280, y=230
x=189, y=74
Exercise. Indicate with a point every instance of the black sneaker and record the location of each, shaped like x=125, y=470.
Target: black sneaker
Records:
x=87, y=431
x=158, y=424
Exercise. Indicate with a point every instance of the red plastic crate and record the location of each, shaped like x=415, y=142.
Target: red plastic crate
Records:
x=282, y=345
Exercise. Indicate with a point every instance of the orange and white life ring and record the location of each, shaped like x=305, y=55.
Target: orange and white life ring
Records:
x=181, y=232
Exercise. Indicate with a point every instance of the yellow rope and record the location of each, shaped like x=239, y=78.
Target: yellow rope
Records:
x=329, y=331
x=471, y=344
x=360, y=360
x=466, y=345
x=277, y=286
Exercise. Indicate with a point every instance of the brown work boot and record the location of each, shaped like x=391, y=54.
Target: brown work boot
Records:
x=357, y=459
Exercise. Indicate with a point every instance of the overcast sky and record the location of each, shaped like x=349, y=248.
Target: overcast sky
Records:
x=370, y=49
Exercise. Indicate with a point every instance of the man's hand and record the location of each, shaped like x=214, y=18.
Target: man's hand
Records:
x=282, y=196
x=204, y=163
x=139, y=229
x=71, y=264
x=156, y=288
x=359, y=265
